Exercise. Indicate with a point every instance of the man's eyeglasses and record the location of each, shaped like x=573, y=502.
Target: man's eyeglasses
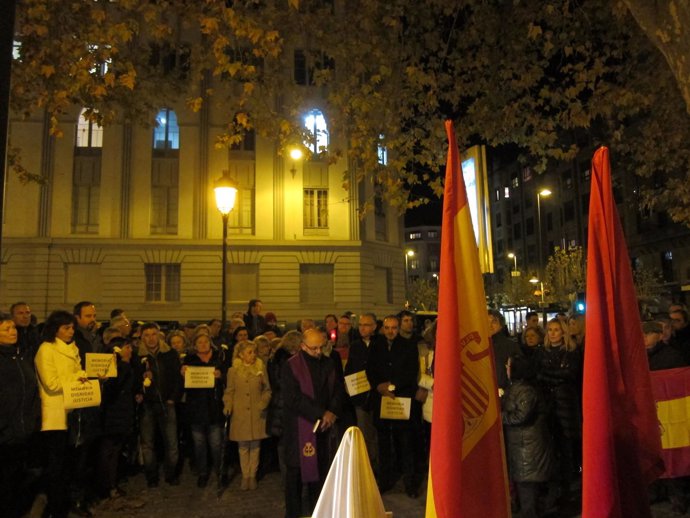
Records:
x=312, y=347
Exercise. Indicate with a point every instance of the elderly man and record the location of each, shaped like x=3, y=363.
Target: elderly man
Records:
x=28, y=337
x=313, y=399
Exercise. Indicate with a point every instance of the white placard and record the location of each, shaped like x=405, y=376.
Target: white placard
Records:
x=398, y=408
x=199, y=377
x=357, y=383
x=99, y=365
x=81, y=395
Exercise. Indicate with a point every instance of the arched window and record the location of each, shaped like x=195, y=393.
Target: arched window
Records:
x=166, y=134
x=315, y=123
x=89, y=134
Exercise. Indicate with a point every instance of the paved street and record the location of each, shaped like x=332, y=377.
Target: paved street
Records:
x=188, y=501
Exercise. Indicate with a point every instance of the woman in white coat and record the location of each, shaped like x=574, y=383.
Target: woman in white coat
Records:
x=57, y=365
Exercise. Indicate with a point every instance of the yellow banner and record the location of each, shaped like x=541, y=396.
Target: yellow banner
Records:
x=674, y=416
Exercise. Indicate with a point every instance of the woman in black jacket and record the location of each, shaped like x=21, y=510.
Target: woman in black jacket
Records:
x=204, y=407
x=20, y=410
x=531, y=458
x=117, y=415
x=559, y=370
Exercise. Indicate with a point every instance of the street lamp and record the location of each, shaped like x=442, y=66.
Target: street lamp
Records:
x=408, y=255
x=540, y=195
x=295, y=154
x=515, y=272
x=226, y=193
x=535, y=281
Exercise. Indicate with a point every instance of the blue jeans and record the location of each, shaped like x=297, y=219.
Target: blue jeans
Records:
x=205, y=437
x=164, y=418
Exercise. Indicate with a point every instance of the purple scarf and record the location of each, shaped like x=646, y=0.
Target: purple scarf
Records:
x=307, y=438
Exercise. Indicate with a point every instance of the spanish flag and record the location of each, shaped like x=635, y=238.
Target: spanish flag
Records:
x=621, y=439
x=467, y=472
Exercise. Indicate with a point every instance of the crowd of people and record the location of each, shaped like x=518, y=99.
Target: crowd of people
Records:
x=252, y=397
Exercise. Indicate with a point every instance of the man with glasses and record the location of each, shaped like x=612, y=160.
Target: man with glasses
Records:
x=357, y=361
x=313, y=398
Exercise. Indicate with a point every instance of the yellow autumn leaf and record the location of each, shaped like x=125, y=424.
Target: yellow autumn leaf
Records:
x=248, y=88
x=128, y=80
x=294, y=4
x=99, y=91
x=98, y=15
x=47, y=70
x=109, y=79
x=195, y=103
x=242, y=119
x=208, y=24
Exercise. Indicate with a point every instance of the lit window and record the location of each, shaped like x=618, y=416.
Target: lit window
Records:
x=162, y=282
x=89, y=134
x=415, y=235
x=382, y=152
x=506, y=192
x=16, y=50
x=166, y=134
x=315, y=208
x=315, y=123
x=432, y=234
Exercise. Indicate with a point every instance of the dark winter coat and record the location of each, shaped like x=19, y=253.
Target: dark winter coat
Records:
x=558, y=374
x=117, y=400
x=274, y=419
x=530, y=450
x=503, y=347
x=328, y=395
x=166, y=381
x=205, y=406
x=20, y=404
x=398, y=365
x=664, y=356
x=357, y=360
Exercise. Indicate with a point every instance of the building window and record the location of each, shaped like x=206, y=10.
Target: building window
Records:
x=315, y=208
x=316, y=284
x=569, y=210
x=415, y=235
x=380, y=219
x=529, y=226
x=497, y=194
x=86, y=192
x=166, y=134
x=432, y=234
x=433, y=263
x=514, y=181
x=162, y=282
x=526, y=174
x=89, y=134
x=506, y=192
x=383, y=287
x=165, y=173
x=315, y=123
x=242, y=167
x=549, y=221
x=414, y=263
x=86, y=176
x=312, y=68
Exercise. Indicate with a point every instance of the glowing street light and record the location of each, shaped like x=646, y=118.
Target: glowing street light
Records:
x=542, y=193
x=226, y=194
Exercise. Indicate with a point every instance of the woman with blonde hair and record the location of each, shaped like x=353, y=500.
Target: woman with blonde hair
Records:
x=246, y=398
x=559, y=370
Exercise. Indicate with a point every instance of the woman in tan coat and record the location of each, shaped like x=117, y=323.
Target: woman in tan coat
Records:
x=246, y=398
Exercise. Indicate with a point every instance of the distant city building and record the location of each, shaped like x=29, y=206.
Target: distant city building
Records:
x=423, y=252
x=519, y=211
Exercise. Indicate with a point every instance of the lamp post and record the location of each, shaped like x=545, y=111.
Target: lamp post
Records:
x=515, y=272
x=540, y=195
x=408, y=254
x=295, y=154
x=535, y=281
x=226, y=193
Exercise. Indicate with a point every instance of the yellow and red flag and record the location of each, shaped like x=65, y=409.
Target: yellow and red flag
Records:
x=467, y=471
x=620, y=435
x=671, y=388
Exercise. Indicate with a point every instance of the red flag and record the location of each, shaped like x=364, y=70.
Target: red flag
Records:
x=467, y=474
x=671, y=388
x=621, y=438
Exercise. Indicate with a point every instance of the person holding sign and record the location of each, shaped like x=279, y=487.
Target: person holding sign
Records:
x=246, y=400
x=392, y=370
x=204, y=404
x=57, y=365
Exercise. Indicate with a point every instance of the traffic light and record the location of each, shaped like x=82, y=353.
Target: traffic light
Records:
x=580, y=303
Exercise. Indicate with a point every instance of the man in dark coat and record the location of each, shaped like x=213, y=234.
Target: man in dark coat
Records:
x=313, y=399
x=161, y=366
x=660, y=354
x=28, y=337
x=393, y=370
x=358, y=358
x=503, y=347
